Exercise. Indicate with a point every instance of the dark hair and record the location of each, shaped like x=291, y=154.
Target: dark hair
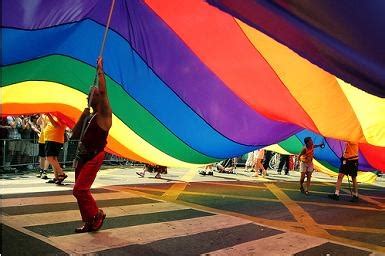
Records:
x=307, y=139
x=36, y=116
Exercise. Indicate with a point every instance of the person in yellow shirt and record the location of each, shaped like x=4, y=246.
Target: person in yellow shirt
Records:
x=54, y=139
x=43, y=163
x=349, y=166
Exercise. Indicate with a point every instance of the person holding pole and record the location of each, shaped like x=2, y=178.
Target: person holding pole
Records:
x=92, y=131
x=349, y=167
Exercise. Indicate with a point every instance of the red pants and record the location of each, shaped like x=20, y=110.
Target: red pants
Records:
x=85, y=174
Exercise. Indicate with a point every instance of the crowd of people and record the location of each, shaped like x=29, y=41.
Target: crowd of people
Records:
x=19, y=135
x=259, y=161
x=28, y=136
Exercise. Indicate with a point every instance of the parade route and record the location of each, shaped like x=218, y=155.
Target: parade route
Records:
x=185, y=213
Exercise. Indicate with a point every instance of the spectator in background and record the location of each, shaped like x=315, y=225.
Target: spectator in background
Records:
x=14, y=124
x=226, y=166
x=259, y=155
x=283, y=164
x=34, y=137
x=67, y=136
x=25, y=144
x=250, y=161
x=3, y=136
x=268, y=156
x=54, y=139
x=159, y=169
x=208, y=170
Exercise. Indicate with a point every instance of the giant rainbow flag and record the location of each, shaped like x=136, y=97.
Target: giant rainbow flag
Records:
x=190, y=84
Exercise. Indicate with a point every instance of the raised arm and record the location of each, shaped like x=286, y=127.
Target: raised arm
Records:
x=322, y=145
x=105, y=108
x=34, y=127
x=53, y=121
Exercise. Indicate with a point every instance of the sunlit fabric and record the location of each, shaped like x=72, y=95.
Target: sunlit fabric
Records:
x=188, y=83
x=342, y=37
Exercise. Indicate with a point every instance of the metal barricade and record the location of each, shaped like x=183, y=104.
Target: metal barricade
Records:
x=22, y=155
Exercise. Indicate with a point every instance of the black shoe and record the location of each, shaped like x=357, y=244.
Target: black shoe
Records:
x=54, y=180
x=202, y=173
x=87, y=227
x=44, y=175
x=354, y=199
x=302, y=189
x=98, y=220
x=141, y=174
x=334, y=197
x=210, y=173
x=93, y=225
x=61, y=178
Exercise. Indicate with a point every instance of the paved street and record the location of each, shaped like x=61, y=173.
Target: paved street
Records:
x=185, y=213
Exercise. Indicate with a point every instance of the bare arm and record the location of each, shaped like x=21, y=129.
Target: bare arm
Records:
x=34, y=128
x=105, y=120
x=53, y=121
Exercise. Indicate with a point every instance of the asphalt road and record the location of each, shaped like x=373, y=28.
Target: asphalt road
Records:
x=185, y=213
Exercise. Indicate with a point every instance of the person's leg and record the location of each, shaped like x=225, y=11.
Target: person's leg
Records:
x=220, y=168
x=210, y=169
x=268, y=155
x=85, y=175
x=45, y=168
x=57, y=170
x=281, y=164
x=255, y=168
x=260, y=166
x=287, y=164
x=301, y=181
x=302, y=167
x=308, y=181
x=53, y=149
x=17, y=155
x=353, y=167
x=43, y=163
x=355, y=189
x=10, y=154
x=41, y=155
x=336, y=194
x=355, y=186
x=338, y=183
x=141, y=174
x=341, y=174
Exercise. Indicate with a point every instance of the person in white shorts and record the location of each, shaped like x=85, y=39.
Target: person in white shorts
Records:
x=306, y=163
